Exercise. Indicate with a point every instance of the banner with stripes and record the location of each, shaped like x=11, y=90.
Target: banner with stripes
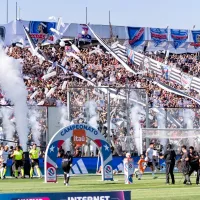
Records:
x=155, y=67
x=120, y=51
x=195, y=84
x=186, y=81
x=175, y=75
x=138, y=58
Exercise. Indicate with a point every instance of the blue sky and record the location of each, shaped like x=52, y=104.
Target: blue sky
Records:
x=153, y=13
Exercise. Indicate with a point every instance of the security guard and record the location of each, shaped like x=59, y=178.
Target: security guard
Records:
x=194, y=163
x=185, y=165
x=34, y=156
x=170, y=159
x=18, y=161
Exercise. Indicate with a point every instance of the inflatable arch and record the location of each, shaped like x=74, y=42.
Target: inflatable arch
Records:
x=79, y=132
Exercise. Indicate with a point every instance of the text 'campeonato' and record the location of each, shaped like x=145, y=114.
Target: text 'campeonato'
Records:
x=79, y=126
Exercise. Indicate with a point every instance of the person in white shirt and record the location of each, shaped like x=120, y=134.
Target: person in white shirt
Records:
x=4, y=154
x=149, y=158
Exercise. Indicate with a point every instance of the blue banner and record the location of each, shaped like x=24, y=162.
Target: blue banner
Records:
x=40, y=31
x=196, y=39
x=179, y=37
x=88, y=165
x=136, y=36
x=159, y=35
x=122, y=195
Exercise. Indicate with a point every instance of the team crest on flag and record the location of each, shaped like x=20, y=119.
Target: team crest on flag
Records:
x=196, y=39
x=179, y=37
x=159, y=35
x=40, y=31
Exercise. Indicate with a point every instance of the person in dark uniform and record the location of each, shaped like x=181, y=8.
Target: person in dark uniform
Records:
x=67, y=160
x=185, y=165
x=170, y=158
x=194, y=163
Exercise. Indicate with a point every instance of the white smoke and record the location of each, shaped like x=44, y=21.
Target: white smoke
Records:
x=64, y=116
x=137, y=114
x=35, y=126
x=13, y=85
x=8, y=125
x=65, y=122
x=161, y=120
x=135, y=119
x=91, y=108
x=189, y=116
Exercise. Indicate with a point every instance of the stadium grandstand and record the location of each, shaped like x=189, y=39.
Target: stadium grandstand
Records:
x=135, y=85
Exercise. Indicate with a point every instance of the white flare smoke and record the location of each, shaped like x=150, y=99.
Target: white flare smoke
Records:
x=13, y=85
x=189, y=116
x=91, y=107
x=65, y=122
x=93, y=116
x=137, y=113
x=8, y=125
x=161, y=119
x=135, y=119
x=35, y=126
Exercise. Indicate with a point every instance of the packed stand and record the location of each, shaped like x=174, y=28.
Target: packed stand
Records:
x=103, y=70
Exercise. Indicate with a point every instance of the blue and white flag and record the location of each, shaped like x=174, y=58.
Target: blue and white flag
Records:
x=165, y=71
x=194, y=46
x=179, y=38
x=159, y=36
x=130, y=54
x=158, y=39
x=136, y=36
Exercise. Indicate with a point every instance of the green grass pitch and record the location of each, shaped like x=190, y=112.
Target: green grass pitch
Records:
x=148, y=188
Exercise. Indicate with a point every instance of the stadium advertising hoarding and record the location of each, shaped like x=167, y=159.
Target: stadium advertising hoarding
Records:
x=114, y=195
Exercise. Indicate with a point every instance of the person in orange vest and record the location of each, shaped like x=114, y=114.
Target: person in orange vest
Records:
x=141, y=167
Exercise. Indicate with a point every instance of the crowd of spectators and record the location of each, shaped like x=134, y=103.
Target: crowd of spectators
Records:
x=104, y=70
x=187, y=63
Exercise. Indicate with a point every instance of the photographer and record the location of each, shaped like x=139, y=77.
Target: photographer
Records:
x=170, y=158
x=194, y=163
